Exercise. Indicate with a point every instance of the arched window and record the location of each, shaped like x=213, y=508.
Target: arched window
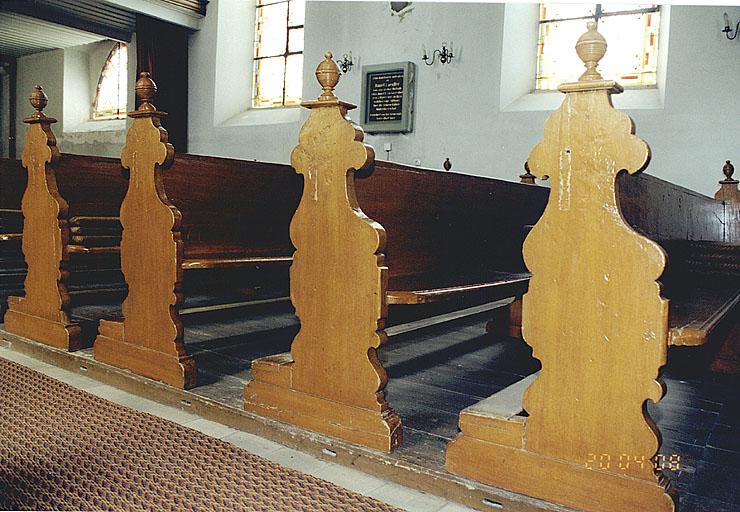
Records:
x=111, y=95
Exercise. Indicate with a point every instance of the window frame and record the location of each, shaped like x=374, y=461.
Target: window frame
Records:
x=597, y=16
x=286, y=53
x=119, y=114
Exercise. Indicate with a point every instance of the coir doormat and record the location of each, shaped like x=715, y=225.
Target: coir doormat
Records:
x=65, y=449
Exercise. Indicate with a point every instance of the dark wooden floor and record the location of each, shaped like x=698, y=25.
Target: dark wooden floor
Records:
x=436, y=372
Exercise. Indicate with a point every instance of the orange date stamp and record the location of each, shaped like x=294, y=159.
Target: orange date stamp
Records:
x=670, y=462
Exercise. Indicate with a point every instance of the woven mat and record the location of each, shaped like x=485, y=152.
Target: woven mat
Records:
x=65, y=449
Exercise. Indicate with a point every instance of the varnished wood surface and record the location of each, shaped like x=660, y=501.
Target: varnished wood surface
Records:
x=729, y=195
x=429, y=216
x=149, y=340
x=43, y=313
x=695, y=315
x=594, y=316
x=331, y=380
x=233, y=208
x=662, y=210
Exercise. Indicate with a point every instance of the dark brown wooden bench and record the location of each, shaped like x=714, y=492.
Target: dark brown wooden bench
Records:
x=701, y=279
x=450, y=236
x=12, y=264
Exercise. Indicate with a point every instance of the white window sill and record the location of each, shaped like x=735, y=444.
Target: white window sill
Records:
x=639, y=99
x=108, y=125
x=265, y=116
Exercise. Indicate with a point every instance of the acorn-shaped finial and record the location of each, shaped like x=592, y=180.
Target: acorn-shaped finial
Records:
x=447, y=164
x=728, y=170
x=38, y=100
x=145, y=90
x=327, y=73
x=591, y=48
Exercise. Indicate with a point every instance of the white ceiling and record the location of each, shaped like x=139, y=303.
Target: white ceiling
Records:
x=23, y=35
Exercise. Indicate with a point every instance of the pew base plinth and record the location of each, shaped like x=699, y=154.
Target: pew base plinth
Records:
x=57, y=334
x=270, y=393
x=557, y=481
x=111, y=347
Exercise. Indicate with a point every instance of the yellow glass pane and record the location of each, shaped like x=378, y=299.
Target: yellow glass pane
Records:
x=557, y=60
x=633, y=48
x=625, y=7
x=112, y=94
x=271, y=30
x=297, y=13
x=294, y=79
x=295, y=40
x=268, y=82
x=564, y=11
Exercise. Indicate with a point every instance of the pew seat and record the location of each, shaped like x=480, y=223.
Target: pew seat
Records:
x=693, y=317
x=420, y=290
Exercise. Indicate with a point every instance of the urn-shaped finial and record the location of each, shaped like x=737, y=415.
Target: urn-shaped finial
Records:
x=38, y=100
x=591, y=47
x=327, y=73
x=145, y=91
x=728, y=170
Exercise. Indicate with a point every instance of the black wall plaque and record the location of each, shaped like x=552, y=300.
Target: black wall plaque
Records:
x=387, y=97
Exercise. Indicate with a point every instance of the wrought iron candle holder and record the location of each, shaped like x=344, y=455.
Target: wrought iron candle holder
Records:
x=445, y=55
x=727, y=30
x=346, y=63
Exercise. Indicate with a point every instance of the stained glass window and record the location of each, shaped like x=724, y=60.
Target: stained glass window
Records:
x=278, y=53
x=631, y=30
x=111, y=95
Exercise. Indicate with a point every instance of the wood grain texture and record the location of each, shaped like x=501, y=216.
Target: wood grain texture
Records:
x=729, y=197
x=43, y=314
x=594, y=316
x=332, y=381
x=13, y=178
x=149, y=341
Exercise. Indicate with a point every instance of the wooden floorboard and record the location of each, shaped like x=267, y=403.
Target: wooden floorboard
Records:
x=436, y=372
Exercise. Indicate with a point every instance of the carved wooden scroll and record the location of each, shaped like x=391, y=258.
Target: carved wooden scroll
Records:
x=729, y=195
x=149, y=340
x=331, y=381
x=44, y=313
x=595, y=318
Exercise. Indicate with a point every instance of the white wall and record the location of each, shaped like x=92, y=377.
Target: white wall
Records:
x=69, y=78
x=458, y=106
x=45, y=69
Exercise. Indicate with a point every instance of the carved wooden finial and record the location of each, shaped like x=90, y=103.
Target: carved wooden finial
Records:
x=591, y=48
x=728, y=169
x=447, y=164
x=327, y=73
x=38, y=99
x=527, y=177
x=145, y=91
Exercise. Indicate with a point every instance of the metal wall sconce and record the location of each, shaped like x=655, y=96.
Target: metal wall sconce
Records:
x=346, y=63
x=444, y=54
x=727, y=28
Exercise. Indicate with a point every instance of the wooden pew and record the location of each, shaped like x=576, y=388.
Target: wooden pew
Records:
x=367, y=237
x=12, y=264
x=578, y=433
x=696, y=232
x=213, y=220
x=55, y=235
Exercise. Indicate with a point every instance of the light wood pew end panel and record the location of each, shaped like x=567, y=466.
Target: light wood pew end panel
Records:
x=331, y=381
x=595, y=318
x=43, y=315
x=149, y=340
